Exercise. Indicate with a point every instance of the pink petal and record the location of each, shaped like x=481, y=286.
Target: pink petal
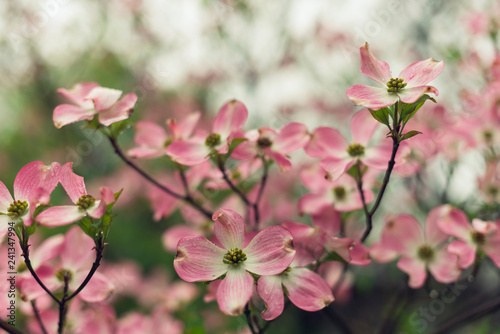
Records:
x=307, y=290
x=415, y=269
x=5, y=198
x=103, y=98
x=313, y=203
x=270, y=290
x=235, y=291
x=33, y=176
x=78, y=93
x=360, y=255
x=362, y=127
x=402, y=234
x=198, y=259
x=308, y=242
x=97, y=210
x=481, y=226
x=411, y=95
x=231, y=117
x=98, y=289
x=382, y=254
x=120, y=111
x=173, y=235
x=77, y=253
x=229, y=228
x=150, y=134
x=72, y=183
x=50, y=248
x=421, y=72
x=378, y=156
x=444, y=266
x=284, y=164
x=145, y=152
x=372, y=67
x=433, y=234
x=326, y=142
x=492, y=249
x=328, y=220
x=60, y=215
x=454, y=222
x=336, y=167
x=341, y=246
x=65, y=114
x=466, y=252
x=270, y=252
x=291, y=138
x=371, y=97
x=187, y=152
x=184, y=128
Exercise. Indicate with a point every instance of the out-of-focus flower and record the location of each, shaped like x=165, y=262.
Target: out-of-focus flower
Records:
x=409, y=86
x=90, y=99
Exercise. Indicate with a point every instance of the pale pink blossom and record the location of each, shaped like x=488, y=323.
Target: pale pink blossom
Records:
x=408, y=87
x=419, y=250
x=32, y=186
x=270, y=252
x=90, y=99
x=84, y=203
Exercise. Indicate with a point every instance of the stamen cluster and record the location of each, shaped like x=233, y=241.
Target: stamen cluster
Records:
x=356, y=150
x=395, y=85
x=425, y=253
x=212, y=140
x=85, y=201
x=234, y=256
x=478, y=237
x=17, y=208
x=264, y=142
x=339, y=193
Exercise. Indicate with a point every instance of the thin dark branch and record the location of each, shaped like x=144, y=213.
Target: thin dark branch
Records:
x=37, y=316
x=8, y=328
x=187, y=198
x=472, y=314
x=231, y=185
x=249, y=320
x=62, y=306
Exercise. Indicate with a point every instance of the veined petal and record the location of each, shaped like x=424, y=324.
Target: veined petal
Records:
x=78, y=93
x=65, y=114
x=34, y=175
x=187, y=152
x=372, y=67
x=421, y=72
x=371, y=97
x=5, y=198
x=229, y=228
x=415, y=269
x=444, y=266
x=98, y=289
x=198, y=259
x=270, y=290
x=362, y=127
x=231, y=117
x=103, y=98
x=270, y=251
x=60, y=215
x=291, y=138
x=412, y=94
x=235, y=291
x=72, y=183
x=120, y=111
x=307, y=290
x=326, y=141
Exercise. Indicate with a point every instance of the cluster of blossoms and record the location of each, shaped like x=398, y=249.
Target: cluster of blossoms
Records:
x=302, y=249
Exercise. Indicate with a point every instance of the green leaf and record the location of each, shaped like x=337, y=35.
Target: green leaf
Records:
x=117, y=128
x=410, y=134
x=409, y=110
x=234, y=143
x=333, y=257
x=381, y=115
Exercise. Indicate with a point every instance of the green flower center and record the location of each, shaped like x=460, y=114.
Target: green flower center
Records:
x=339, y=193
x=234, y=256
x=395, y=85
x=356, y=150
x=477, y=237
x=61, y=273
x=264, y=142
x=212, y=140
x=85, y=201
x=425, y=253
x=17, y=208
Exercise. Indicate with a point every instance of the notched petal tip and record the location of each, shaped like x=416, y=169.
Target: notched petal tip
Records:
x=179, y=256
x=289, y=246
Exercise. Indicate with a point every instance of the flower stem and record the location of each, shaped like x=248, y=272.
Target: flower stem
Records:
x=9, y=328
x=37, y=316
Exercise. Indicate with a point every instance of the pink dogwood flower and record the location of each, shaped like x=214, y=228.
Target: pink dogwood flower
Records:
x=270, y=252
x=479, y=234
x=32, y=186
x=229, y=120
x=339, y=155
x=152, y=139
x=419, y=250
x=90, y=99
x=84, y=203
x=408, y=87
